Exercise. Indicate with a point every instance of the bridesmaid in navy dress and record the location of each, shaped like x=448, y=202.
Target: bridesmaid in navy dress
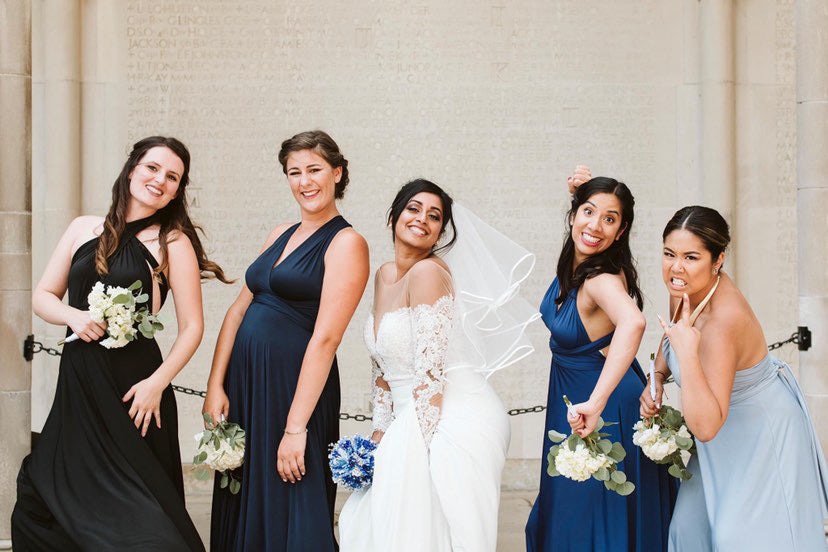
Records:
x=274, y=370
x=593, y=311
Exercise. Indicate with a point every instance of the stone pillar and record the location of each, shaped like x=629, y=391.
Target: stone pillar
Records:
x=718, y=114
x=56, y=161
x=15, y=246
x=812, y=200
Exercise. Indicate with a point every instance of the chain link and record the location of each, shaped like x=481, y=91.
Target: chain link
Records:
x=30, y=347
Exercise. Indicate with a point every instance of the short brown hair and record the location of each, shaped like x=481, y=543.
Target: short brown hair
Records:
x=322, y=144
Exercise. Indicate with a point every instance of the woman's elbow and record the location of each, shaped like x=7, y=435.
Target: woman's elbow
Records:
x=704, y=432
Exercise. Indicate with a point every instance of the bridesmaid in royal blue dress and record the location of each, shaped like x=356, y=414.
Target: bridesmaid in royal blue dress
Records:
x=274, y=370
x=592, y=310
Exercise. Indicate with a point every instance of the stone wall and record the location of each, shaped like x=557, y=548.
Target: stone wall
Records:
x=685, y=101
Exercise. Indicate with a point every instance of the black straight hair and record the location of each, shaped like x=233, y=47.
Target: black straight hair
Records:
x=408, y=191
x=615, y=259
x=706, y=223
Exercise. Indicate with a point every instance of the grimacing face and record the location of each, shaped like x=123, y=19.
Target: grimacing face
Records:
x=312, y=180
x=155, y=179
x=686, y=264
x=596, y=225
x=420, y=222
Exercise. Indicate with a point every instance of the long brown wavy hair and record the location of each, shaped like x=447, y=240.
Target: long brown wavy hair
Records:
x=174, y=217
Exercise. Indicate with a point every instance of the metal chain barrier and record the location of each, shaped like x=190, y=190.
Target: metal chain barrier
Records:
x=801, y=337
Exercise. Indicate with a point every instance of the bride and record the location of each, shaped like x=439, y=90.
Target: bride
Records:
x=444, y=319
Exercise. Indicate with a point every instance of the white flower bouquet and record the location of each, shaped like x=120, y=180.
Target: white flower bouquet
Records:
x=119, y=308
x=579, y=458
x=220, y=448
x=663, y=438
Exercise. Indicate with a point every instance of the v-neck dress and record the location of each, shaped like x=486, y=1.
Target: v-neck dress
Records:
x=92, y=482
x=267, y=513
x=585, y=516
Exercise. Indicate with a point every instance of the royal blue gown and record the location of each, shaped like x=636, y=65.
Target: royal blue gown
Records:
x=573, y=516
x=268, y=514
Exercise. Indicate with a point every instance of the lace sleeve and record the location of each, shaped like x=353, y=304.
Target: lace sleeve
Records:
x=381, y=404
x=432, y=329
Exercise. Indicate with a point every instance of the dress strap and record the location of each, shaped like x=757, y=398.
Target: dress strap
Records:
x=700, y=307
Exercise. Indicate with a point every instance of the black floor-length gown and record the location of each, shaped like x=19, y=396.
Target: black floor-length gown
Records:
x=268, y=514
x=92, y=482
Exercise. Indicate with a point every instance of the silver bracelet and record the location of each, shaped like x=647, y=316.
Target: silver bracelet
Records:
x=296, y=432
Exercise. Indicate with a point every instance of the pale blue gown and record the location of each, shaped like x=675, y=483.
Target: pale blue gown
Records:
x=761, y=483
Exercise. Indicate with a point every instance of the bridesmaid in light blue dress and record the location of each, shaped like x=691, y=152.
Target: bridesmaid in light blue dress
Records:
x=759, y=477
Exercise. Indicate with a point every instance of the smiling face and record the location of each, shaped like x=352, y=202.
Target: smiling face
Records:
x=154, y=181
x=312, y=180
x=420, y=222
x=686, y=265
x=596, y=225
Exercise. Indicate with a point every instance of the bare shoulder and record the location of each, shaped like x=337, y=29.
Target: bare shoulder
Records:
x=349, y=240
x=430, y=269
x=86, y=224
x=605, y=283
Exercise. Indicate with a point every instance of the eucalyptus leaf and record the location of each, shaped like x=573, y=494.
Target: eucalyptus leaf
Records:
x=626, y=488
x=617, y=452
x=618, y=477
x=122, y=298
x=675, y=471
x=611, y=485
x=602, y=474
x=202, y=473
x=201, y=457
x=599, y=425
x=157, y=326
x=224, y=480
x=143, y=298
x=552, y=469
x=684, y=443
x=208, y=418
x=571, y=443
x=135, y=285
x=235, y=485
x=605, y=445
x=555, y=436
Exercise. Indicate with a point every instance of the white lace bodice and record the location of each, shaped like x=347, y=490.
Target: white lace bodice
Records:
x=409, y=355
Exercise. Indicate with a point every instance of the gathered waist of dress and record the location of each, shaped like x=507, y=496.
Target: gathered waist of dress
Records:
x=589, y=362
x=402, y=391
x=281, y=306
x=751, y=381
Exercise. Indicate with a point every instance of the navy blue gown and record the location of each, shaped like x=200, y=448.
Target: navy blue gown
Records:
x=268, y=514
x=573, y=516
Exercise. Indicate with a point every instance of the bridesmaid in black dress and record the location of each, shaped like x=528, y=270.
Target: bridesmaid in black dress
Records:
x=106, y=471
x=274, y=370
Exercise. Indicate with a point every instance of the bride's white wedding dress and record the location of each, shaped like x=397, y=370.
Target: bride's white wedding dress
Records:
x=434, y=337
x=437, y=469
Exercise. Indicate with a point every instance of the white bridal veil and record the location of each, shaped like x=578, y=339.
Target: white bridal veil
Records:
x=487, y=269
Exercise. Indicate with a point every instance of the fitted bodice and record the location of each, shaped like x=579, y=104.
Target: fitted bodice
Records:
x=131, y=261
x=569, y=342
x=294, y=285
x=746, y=383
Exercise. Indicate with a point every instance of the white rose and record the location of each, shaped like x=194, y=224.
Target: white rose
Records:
x=683, y=432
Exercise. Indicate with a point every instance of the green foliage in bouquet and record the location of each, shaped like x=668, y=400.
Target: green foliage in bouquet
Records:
x=663, y=438
x=220, y=447
x=580, y=458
